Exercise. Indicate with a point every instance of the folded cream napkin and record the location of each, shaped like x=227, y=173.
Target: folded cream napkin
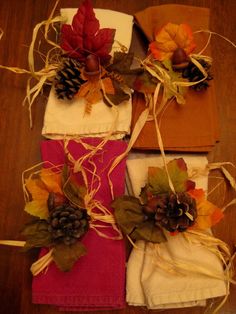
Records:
x=64, y=118
x=150, y=279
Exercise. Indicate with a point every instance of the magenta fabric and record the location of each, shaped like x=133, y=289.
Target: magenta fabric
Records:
x=97, y=280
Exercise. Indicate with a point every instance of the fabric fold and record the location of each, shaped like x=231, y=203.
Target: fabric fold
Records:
x=64, y=118
x=192, y=127
x=97, y=280
x=151, y=278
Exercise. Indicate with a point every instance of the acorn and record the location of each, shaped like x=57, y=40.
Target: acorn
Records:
x=91, y=64
x=55, y=200
x=179, y=59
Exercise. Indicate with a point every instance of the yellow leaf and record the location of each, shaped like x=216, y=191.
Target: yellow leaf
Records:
x=37, y=208
x=37, y=189
x=51, y=180
x=208, y=213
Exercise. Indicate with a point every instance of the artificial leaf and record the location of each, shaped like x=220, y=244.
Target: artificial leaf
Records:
x=148, y=231
x=36, y=188
x=84, y=37
x=65, y=174
x=208, y=213
x=52, y=180
x=66, y=255
x=144, y=83
x=37, y=234
x=90, y=91
x=119, y=95
x=128, y=213
x=108, y=86
x=37, y=208
x=169, y=38
x=177, y=169
x=121, y=62
x=75, y=193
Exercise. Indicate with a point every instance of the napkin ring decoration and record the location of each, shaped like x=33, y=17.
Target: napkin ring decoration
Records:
x=63, y=209
x=81, y=65
x=162, y=208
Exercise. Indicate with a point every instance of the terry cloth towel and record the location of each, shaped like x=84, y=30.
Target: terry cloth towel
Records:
x=192, y=127
x=97, y=280
x=158, y=288
x=65, y=118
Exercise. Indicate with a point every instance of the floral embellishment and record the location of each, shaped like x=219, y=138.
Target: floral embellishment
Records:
x=159, y=208
x=55, y=200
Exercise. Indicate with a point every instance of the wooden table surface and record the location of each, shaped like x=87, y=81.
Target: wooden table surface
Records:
x=19, y=146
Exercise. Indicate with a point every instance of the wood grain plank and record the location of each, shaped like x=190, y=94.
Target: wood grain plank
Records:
x=19, y=146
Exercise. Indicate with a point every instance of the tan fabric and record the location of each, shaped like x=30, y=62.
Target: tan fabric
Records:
x=64, y=118
x=193, y=126
x=157, y=288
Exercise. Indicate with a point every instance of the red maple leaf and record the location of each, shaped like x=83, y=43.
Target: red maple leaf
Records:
x=84, y=36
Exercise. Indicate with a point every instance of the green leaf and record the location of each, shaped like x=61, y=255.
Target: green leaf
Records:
x=175, y=91
x=158, y=181
x=66, y=255
x=121, y=62
x=65, y=174
x=148, y=231
x=128, y=213
x=145, y=83
x=131, y=219
x=73, y=191
x=37, y=235
x=119, y=96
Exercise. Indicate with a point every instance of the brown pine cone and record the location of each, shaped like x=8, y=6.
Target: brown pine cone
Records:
x=67, y=223
x=174, y=212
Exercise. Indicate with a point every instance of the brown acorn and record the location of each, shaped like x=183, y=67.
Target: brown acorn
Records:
x=91, y=64
x=179, y=59
x=55, y=200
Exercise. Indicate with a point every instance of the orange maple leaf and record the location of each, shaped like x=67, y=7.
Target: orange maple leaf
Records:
x=208, y=213
x=91, y=90
x=169, y=38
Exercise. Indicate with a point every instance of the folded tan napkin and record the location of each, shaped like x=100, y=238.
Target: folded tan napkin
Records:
x=67, y=118
x=189, y=127
x=156, y=287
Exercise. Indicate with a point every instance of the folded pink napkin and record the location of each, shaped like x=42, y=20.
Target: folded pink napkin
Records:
x=97, y=280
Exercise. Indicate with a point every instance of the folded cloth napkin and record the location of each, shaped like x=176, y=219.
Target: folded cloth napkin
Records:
x=157, y=287
x=191, y=127
x=67, y=118
x=97, y=280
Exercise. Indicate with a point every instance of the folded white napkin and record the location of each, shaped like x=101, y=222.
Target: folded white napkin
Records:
x=64, y=118
x=150, y=281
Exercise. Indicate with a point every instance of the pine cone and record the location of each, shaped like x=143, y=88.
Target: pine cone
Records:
x=67, y=223
x=193, y=74
x=68, y=80
x=174, y=212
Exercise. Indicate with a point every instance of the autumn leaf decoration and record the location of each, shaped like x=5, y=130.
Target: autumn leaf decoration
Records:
x=84, y=36
x=90, y=75
x=173, y=45
x=56, y=201
x=171, y=37
x=158, y=208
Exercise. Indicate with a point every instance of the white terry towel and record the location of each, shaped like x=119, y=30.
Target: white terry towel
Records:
x=64, y=118
x=149, y=280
